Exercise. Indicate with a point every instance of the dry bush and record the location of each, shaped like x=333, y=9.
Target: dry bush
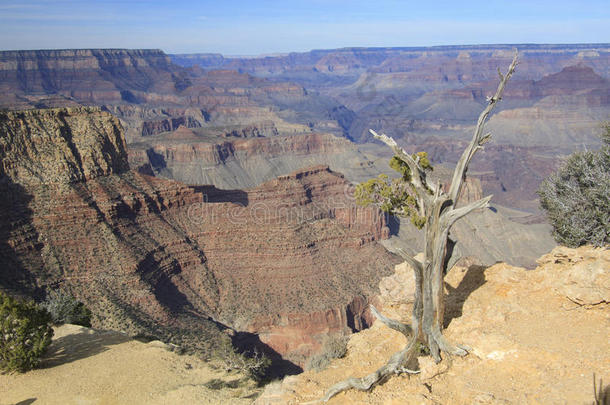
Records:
x=576, y=198
x=64, y=308
x=334, y=347
x=254, y=364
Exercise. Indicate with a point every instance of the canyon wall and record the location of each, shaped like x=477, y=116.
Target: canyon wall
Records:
x=233, y=162
x=421, y=96
x=431, y=96
x=286, y=259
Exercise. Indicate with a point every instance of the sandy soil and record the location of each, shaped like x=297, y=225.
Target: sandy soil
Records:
x=88, y=367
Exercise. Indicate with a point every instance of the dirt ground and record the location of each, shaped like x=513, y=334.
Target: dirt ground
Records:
x=87, y=367
x=537, y=337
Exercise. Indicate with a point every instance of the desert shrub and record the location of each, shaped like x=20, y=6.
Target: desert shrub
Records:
x=254, y=363
x=25, y=333
x=64, y=308
x=576, y=198
x=334, y=347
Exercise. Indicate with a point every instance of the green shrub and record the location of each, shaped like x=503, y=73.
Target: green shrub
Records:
x=64, y=308
x=577, y=197
x=334, y=347
x=25, y=333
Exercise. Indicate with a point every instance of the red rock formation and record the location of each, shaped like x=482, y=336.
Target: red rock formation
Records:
x=154, y=256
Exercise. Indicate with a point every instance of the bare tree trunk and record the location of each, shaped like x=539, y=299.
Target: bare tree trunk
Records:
x=441, y=212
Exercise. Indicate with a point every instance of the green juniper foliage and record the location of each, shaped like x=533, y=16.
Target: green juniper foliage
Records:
x=576, y=198
x=25, y=333
x=394, y=196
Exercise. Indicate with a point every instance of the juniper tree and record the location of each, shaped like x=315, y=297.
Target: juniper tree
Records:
x=435, y=211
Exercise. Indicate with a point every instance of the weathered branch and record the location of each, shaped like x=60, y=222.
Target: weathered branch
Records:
x=478, y=139
x=416, y=264
x=448, y=218
x=418, y=174
x=392, y=324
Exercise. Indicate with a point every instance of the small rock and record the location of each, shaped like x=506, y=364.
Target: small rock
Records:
x=430, y=369
x=159, y=344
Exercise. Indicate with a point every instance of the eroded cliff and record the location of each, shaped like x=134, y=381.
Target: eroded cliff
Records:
x=155, y=256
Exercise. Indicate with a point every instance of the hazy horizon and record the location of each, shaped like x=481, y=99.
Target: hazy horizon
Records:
x=274, y=27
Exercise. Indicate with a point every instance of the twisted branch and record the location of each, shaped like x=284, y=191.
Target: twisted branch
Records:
x=478, y=139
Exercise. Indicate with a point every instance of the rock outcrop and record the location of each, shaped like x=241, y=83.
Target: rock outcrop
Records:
x=155, y=256
x=60, y=146
x=536, y=336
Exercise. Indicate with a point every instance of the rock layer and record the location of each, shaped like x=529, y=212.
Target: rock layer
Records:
x=149, y=255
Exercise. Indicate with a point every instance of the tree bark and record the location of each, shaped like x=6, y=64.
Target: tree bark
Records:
x=441, y=212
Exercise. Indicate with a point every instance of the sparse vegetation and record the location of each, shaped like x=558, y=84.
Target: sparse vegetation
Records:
x=25, y=334
x=254, y=363
x=577, y=197
x=334, y=347
x=64, y=308
x=218, y=384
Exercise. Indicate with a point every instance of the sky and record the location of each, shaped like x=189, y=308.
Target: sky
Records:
x=269, y=26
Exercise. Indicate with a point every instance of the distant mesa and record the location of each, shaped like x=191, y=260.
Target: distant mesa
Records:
x=182, y=133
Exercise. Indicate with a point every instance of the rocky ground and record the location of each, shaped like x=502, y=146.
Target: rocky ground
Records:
x=537, y=337
x=86, y=366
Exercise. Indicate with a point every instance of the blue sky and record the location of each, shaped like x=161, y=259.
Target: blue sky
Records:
x=262, y=27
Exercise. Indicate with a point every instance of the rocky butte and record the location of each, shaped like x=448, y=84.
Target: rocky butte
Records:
x=286, y=263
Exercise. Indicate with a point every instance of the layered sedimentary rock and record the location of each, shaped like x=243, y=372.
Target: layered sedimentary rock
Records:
x=89, y=75
x=433, y=95
x=155, y=256
x=148, y=93
x=438, y=63
x=237, y=162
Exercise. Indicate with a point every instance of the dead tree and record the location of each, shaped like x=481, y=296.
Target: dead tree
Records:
x=440, y=211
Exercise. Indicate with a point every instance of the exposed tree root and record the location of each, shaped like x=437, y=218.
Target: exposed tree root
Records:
x=395, y=365
x=398, y=363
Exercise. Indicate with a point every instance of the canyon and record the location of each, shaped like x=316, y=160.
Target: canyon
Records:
x=156, y=257
x=190, y=196
x=428, y=98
